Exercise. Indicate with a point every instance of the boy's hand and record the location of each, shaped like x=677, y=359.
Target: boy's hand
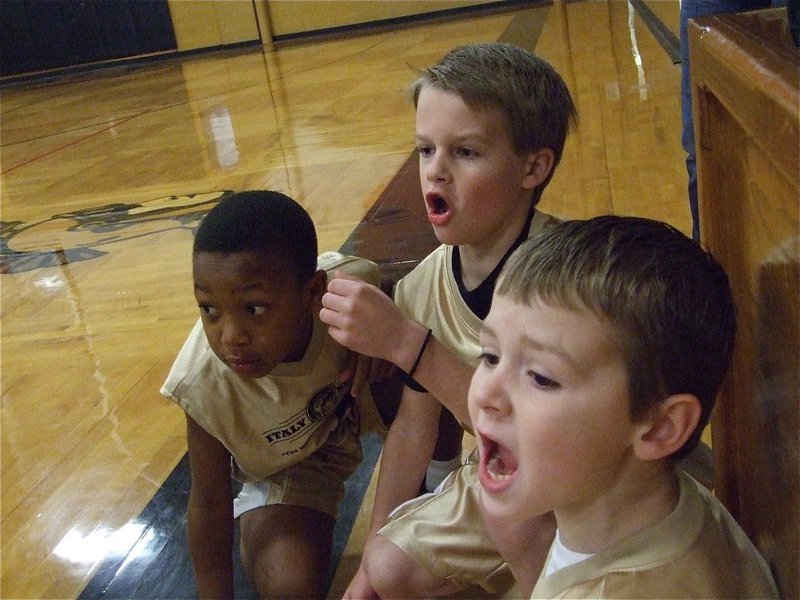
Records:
x=363, y=318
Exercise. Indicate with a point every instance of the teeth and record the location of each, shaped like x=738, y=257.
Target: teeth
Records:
x=498, y=476
x=496, y=469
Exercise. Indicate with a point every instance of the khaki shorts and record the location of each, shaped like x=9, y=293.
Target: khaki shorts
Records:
x=444, y=533
x=315, y=482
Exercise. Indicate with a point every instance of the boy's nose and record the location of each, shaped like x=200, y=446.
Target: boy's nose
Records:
x=489, y=392
x=436, y=168
x=233, y=333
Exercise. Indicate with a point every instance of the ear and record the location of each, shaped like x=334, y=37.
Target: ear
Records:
x=538, y=166
x=315, y=288
x=667, y=430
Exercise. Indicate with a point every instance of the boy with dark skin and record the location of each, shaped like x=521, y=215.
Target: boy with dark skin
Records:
x=259, y=381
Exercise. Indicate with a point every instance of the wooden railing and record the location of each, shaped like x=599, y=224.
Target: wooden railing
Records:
x=746, y=94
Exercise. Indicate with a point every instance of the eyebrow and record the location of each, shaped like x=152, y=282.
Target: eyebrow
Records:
x=541, y=347
x=245, y=288
x=469, y=138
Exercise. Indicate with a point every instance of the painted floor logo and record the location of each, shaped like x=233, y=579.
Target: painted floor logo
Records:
x=77, y=236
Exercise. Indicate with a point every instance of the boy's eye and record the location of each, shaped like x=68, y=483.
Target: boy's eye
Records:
x=209, y=311
x=489, y=359
x=425, y=151
x=256, y=310
x=465, y=152
x=540, y=381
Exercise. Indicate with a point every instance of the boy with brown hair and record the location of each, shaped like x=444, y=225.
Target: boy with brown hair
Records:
x=491, y=122
x=601, y=359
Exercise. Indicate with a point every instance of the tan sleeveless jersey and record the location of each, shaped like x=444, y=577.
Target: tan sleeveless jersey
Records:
x=272, y=422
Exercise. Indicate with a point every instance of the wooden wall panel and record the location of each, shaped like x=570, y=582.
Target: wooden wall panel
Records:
x=299, y=16
x=204, y=23
x=746, y=94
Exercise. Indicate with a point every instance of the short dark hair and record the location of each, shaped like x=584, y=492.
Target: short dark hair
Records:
x=668, y=299
x=262, y=222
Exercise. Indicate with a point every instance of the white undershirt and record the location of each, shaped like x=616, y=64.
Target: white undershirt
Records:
x=561, y=556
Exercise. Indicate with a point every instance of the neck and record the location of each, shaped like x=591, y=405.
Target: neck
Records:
x=620, y=511
x=478, y=261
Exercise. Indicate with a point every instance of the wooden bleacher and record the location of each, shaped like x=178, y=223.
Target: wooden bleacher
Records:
x=746, y=94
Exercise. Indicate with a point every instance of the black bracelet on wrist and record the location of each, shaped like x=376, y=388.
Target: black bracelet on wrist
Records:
x=414, y=384
x=420, y=353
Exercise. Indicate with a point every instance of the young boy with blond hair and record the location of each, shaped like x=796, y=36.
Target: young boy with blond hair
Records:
x=601, y=358
x=491, y=122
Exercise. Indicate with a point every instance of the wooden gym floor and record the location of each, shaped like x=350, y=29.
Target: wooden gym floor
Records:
x=104, y=177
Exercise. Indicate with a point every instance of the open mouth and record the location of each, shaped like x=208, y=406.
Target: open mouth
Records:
x=438, y=208
x=438, y=205
x=499, y=462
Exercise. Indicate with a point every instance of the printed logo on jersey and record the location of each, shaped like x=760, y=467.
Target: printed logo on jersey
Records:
x=299, y=426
